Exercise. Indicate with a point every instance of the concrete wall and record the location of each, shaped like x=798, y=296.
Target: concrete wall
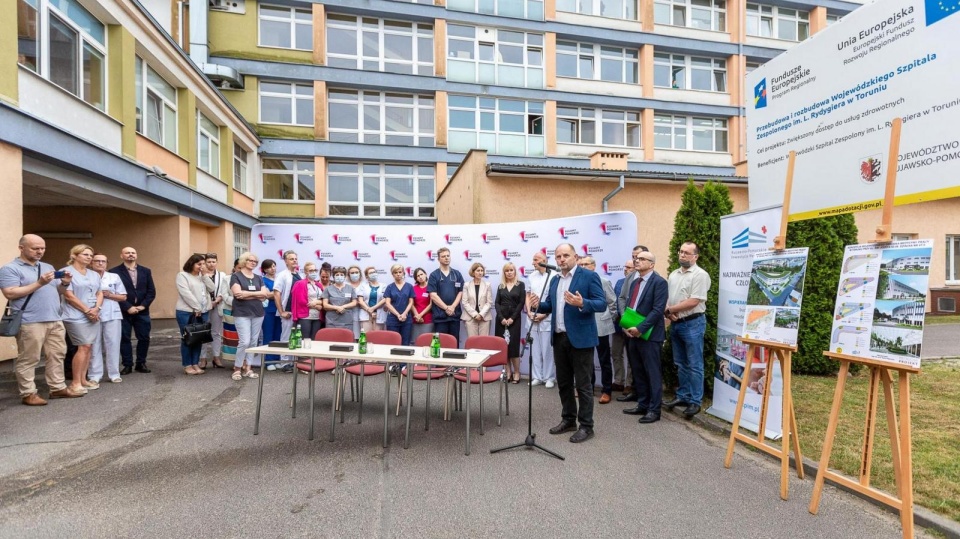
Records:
x=11, y=219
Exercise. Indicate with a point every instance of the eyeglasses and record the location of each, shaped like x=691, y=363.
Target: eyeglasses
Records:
x=687, y=253
x=639, y=258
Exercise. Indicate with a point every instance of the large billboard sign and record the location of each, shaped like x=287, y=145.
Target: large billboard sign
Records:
x=832, y=99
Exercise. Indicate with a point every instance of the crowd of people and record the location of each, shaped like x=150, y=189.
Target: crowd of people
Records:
x=573, y=315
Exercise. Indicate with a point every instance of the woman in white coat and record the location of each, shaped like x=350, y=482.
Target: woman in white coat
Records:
x=477, y=302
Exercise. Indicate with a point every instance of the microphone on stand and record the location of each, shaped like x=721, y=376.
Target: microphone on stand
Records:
x=548, y=266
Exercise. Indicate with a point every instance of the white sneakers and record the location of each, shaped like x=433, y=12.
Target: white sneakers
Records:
x=536, y=382
x=550, y=384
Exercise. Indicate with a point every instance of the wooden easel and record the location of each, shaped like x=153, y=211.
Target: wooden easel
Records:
x=775, y=352
x=900, y=438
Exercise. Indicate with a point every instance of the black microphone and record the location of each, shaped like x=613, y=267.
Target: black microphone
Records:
x=548, y=266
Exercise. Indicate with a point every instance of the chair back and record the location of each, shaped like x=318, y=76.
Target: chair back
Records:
x=384, y=337
x=446, y=340
x=334, y=335
x=489, y=342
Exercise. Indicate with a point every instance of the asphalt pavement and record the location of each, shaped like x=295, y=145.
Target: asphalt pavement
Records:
x=170, y=455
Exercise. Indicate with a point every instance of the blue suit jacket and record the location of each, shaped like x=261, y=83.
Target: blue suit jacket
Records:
x=141, y=295
x=651, y=304
x=581, y=325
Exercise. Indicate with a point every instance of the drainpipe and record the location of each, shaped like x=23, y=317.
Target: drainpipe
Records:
x=612, y=194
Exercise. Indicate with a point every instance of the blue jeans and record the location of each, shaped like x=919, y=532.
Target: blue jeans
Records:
x=189, y=355
x=271, y=332
x=686, y=338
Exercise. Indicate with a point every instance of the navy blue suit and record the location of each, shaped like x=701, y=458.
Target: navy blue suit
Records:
x=141, y=295
x=644, y=354
x=573, y=349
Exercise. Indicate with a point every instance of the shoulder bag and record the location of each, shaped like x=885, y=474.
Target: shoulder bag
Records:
x=196, y=333
x=12, y=317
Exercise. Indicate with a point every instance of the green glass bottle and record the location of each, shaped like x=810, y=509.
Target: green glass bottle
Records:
x=362, y=343
x=435, y=346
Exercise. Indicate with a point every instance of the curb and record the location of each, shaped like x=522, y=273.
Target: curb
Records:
x=921, y=516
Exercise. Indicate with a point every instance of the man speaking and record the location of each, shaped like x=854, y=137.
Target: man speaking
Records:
x=573, y=296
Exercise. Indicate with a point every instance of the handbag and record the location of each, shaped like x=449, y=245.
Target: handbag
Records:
x=13, y=317
x=196, y=333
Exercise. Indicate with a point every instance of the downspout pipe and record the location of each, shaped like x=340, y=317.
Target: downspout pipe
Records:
x=612, y=194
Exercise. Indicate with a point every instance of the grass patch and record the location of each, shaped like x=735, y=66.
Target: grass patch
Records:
x=936, y=432
x=942, y=319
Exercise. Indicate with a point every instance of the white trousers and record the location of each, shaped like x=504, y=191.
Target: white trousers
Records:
x=214, y=348
x=248, y=335
x=106, y=349
x=544, y=369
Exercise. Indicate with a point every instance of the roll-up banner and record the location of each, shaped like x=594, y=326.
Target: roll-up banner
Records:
x=607, y=237
x=742, y=236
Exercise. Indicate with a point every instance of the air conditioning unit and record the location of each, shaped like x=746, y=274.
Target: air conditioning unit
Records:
x=229, y=6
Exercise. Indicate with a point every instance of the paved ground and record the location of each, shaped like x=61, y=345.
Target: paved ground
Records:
x=167, y=455
x=941, y=340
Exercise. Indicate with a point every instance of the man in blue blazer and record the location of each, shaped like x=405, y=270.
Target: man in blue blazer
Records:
x=575, y=295
x=138, y=280
x=647, y=294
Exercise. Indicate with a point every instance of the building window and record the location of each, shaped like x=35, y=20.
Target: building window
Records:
x=241, y=241
x=208, y=146
x=381, y=118
x=705, y=134
x=579, y=60
x=28, y=34
x=286, y=103
x=500, y=126
x=699, y=14
x=832, y=19
x=750, y=66
x=286, y=28
x=492, y=56
x=953, y=259
x=580, y=126
x=689, y=72
x=288, y=180
x=156, y=106
x=614, y=9
x=381, y=190
x=517, y=9
x=379, y=45
x=777, y=22
x=69, y=51
x=240, y=169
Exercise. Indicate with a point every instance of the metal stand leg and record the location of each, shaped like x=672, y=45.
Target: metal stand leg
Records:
x=256, y=422
x=468, y=412
x=386, y=405
x=337, y=373
x=313, y=410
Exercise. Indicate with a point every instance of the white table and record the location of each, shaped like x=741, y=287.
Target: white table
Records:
x=377, y=354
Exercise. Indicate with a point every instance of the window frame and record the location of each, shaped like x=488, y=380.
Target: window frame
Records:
x=294, y=97
x=597, y=54
x=689, y=126
x=241, y=240
x=478, y=7
x=291, y=20
x=381, y=100
x=687, y=65
x=530, y=116
x=241, y=175
x=598, y=119
x=776, y=16
x=533, y=43
x=717, y=10
x=145, y=91
x=596, y=8
x=296, y=173
x=213, y=141
x=952, y=259
x=383, y=176
x=417, y=31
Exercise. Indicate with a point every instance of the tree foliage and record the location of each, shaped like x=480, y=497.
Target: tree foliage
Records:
x=698, y=220
x=826, y=237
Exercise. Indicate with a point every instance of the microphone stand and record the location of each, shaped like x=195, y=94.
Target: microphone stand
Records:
x=531, y=440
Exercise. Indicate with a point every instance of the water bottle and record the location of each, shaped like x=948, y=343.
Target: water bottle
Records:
x=362, y=342
x=506, y=335
x=435, y=346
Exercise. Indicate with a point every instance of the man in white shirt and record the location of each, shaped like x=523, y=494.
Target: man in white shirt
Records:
x=282, y=286
x=217, y=284
x=544, y=370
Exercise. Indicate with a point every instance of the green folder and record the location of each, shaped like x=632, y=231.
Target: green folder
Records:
x=632, y=319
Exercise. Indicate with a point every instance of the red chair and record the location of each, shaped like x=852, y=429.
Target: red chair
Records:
x=361, y=371
x=320, y=365
x=425, y=372
x=483, y=376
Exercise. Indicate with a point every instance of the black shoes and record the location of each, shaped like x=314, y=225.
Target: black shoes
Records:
x=564, y=426
x=669, y=405
x=636, y=410
x=141, y=368
x=691, y=411
x=627, y=398
x=125, y=371
x=649, y=417
x=582, y=435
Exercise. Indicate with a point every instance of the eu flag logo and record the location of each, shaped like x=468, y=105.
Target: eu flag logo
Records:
x=940, y=9
x=760, y=90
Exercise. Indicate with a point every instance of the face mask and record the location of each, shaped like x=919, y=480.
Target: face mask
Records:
x=685, y=263
x=372, y=278
x=338, y=279
x=354, y=277
x=313, y=275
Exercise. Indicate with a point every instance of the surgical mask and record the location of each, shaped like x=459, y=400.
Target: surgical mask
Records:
x=314, y=275
x=338, y=279
x=354, y=277
x=372, y=278
x=685, y=263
